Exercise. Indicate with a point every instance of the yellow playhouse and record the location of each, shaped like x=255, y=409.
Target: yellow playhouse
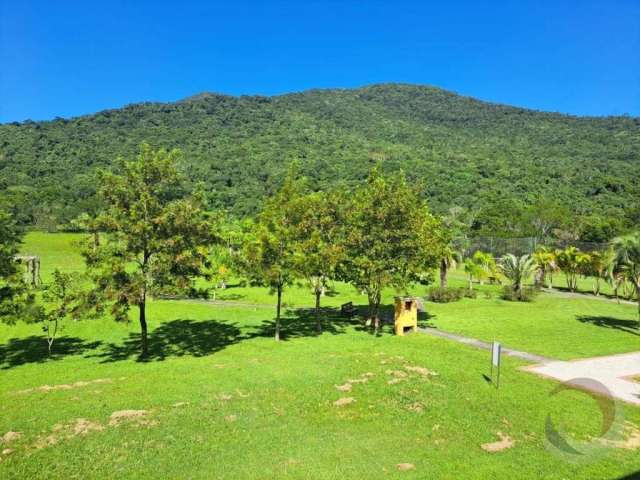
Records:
x=406, y=315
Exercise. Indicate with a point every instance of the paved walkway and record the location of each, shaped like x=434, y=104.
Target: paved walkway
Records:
x=588, y=296
x=529, y=357
x=615, y=375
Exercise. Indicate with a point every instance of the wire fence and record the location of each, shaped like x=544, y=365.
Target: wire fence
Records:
x=521, y=245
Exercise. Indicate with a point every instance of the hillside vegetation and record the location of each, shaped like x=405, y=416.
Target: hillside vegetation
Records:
x=494, y=160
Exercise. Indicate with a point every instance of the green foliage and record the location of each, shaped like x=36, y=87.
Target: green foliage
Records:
x=316, y=233
x=493, y=161
x=16, y=298
x=627, y=259
x=517, y=270
x=546, y=264
x=63, y=299
x=389, y=237
x=572, y=262
x=154, y=235
x=449, y=294
x=270, y=253
x=525, y=294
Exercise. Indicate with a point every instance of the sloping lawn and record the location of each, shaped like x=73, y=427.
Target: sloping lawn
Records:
x=563, y=328
x=224, y=401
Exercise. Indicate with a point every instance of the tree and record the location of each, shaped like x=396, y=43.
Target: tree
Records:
x=546, y=264
x=389, y=236
x=450, y=259
x=318, y=251
x=154, y=235
x=61, y=301
x=269, y=256
x=473, y=270
x=571, y=261
x=627, y=258
x=598, y=266
x=541, y=218
x=16, y=298
x=517, y=270
x=487, y=265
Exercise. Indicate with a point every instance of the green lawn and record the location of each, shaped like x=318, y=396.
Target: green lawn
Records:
x=223, y=400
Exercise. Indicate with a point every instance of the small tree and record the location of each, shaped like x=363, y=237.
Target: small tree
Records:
x=269, y=254
x=627, y=257
x=61, y=301
x=449, y=261
x=517, y=270
x=155, y=234
x=545, y=264
x=390, y=238
x=316, y=230
x=473, y=270
x=572, y=261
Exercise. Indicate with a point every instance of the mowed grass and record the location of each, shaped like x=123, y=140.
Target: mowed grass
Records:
x=223, y=400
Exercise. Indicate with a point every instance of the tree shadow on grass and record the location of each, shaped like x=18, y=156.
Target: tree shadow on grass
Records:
x=176, y=339
x=33, y=349
x=301, y=322
x=624, y=325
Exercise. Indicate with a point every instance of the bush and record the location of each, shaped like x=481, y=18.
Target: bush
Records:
x=445, y=295
x=527, y=294
x=466, y=293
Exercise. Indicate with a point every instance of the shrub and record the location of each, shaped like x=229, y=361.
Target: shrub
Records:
x=445, y=295
x=526, y=294
x=466, y=293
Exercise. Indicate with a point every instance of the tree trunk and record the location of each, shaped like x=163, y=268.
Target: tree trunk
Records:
x=443, y=273
x=277, y=335
x=143, y=326
x=470, y=283
x=374, y=306
x=318, y=293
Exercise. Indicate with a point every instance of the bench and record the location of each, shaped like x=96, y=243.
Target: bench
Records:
x=348, y=310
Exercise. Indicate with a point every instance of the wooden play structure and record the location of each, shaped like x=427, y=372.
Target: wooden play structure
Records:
x=406, y=314
x=32, y=269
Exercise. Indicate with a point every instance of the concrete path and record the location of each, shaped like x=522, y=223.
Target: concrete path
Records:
x=588, y=296
x=613, y=375
x=529, y=357
x=613, y=372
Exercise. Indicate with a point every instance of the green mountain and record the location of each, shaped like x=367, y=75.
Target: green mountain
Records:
x=493, y=159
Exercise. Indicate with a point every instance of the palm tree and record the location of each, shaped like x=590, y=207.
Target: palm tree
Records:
x=627, y=258
x=449, y=260
x=487, y=264
x=517, y=270
x=546, y=263
x=571, y=261
x=473, y=270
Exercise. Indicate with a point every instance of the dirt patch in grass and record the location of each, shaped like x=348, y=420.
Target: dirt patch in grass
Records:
x=65, y=386
x=404, y=467
x=505, y=443
x=11, y=436
x=631, y=440
x=425, y=372
x=122, y=416
x=344, y=388
x=341, y=402
x=64, y=431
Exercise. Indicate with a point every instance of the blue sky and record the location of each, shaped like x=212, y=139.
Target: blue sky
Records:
x=71, y=58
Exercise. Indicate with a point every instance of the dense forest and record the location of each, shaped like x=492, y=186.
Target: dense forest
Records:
x=500, y=165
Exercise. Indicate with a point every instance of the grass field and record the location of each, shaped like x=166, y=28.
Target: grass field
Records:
x=221, y=399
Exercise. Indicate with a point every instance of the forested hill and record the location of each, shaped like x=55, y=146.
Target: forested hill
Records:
x=493, y=159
